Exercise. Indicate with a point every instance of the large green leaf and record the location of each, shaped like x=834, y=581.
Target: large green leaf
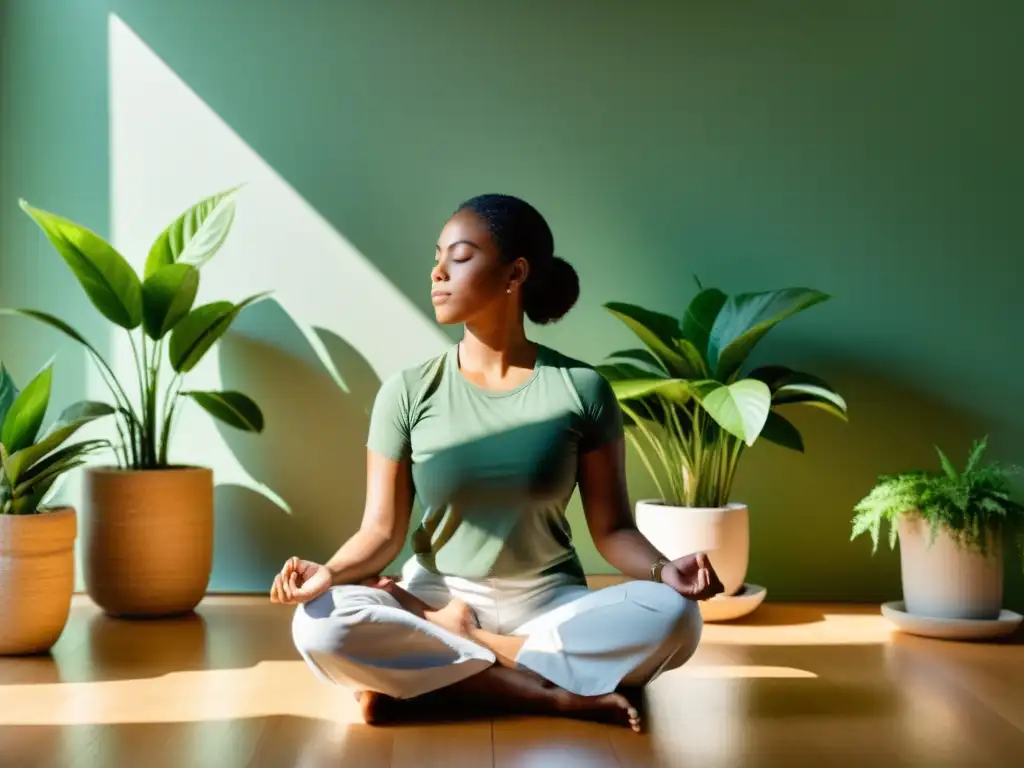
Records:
x=779, y=430
x=700, y=319
x=8, y=392
x=32, y=494
x=233, y=408
x=741, y=408
x=29, y=503
x=26, y=414
x=53, y=322
x=196, y=235
x=648, y=407
x=746, y=318
x=167, y=296
x=73, y=418
x=796, y=387
x=662, y=335
x=643, y=356
x=57, y=463
x=812, y=395
x=677, y=390
x=109, y=281
x=619, y=371
x=200, y=329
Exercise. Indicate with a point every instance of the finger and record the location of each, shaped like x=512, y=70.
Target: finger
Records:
x=683, y=586
x=702, y=560
x=276, y=595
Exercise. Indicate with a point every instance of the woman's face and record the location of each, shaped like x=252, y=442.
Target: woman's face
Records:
x=468, y=279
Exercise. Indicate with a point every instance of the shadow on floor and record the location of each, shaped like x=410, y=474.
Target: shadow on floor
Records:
x=95, y=647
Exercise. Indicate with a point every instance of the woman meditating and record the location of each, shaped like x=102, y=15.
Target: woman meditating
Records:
x=493, y=613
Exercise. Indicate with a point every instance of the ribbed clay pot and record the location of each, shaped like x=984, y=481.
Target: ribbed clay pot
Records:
x=148, y=539
x=37, y=578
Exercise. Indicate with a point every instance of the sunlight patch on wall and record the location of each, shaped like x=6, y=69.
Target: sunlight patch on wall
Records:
x=168, y=149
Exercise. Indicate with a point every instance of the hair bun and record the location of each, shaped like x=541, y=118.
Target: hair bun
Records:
x=549, y=296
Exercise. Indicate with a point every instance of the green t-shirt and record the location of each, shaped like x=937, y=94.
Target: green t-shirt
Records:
x=494, y=470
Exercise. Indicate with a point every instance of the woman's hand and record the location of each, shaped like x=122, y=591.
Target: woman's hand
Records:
x=299, y=582
x=692, y=576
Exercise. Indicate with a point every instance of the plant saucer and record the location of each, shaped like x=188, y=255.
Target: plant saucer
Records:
x=729, y=607
x=950, y=629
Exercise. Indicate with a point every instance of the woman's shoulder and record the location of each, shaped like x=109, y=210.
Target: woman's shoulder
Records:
x=410, y=382
x=588, y=381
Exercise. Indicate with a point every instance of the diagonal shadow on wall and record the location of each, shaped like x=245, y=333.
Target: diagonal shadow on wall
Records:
x=311, y=453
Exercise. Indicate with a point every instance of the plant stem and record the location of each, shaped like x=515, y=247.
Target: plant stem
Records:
x=152, y=375
x=120, y=399
x=144, y=400
x=170, y=402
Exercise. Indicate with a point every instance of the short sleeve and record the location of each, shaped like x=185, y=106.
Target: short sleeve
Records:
x=390, y=432
x=602, y=415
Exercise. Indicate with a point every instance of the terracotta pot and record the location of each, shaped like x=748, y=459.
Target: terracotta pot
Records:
x=721, y=532
x=37, y=578
x=148, y=539
x=944, y=579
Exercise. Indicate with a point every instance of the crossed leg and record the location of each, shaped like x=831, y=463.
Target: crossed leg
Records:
x=411, y=661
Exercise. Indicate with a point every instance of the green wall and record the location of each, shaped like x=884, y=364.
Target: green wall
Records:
x=871, y=150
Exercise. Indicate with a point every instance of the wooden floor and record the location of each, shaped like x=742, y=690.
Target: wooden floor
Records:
x=790, y=686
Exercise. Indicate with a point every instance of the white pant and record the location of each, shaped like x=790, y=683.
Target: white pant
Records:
x=585, y=641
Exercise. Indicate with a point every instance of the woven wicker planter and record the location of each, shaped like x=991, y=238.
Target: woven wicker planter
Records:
x=37, y=579
x=148, y=539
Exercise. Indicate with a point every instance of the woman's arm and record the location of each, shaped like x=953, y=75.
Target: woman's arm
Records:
x=367, y=552
x=384, y=526
x=603, y=489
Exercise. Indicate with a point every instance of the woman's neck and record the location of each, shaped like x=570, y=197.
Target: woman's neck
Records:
x=496, y=355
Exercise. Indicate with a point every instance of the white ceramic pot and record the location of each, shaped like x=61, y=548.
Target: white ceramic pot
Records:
x=723, y=533
x=945, y=580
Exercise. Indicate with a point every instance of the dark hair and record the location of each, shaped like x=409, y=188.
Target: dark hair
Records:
x=552, y=285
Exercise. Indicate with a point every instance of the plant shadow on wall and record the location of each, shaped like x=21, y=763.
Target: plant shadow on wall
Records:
x=311, y=453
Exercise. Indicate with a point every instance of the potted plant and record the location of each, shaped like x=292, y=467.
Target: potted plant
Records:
x=952, y=527
x=37, y=541
x=692, y=408
x=148, y=527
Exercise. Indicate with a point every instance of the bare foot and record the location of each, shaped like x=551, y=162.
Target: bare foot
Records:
x=377, y=709
x=612, y=708
x=456, y=617
x=496, y=691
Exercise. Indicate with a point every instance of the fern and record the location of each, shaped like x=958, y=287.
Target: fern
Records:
x=972, y=506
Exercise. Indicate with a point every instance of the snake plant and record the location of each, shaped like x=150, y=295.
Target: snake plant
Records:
x=157, y=311
x=32, y=462
x=691, y=405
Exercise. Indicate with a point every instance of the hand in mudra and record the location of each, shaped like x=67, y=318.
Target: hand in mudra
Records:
x=299, y=582
x=692, y=576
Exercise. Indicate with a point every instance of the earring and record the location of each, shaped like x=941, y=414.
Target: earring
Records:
x=509, y=291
